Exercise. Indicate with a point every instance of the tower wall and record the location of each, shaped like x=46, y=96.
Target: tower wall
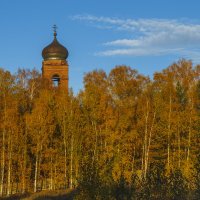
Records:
x=56, y=67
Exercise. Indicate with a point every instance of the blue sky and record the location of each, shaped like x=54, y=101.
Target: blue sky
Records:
x=147, y=35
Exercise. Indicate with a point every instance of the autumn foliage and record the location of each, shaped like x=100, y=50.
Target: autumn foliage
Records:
x=124, y=136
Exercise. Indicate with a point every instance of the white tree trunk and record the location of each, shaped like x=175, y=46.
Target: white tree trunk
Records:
x=71, y=162
x=9, y=164
x=65, y=149
x=24, y=160
x=36, y=168
x=189, y=139
x=2, y=162
x=3, y=150
x=169, y=132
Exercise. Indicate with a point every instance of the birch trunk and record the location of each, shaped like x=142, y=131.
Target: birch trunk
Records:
x=145, y=139
x=65, y=149
x=71, y=162
x=55, y=175
x=133, y=161
x=2, y=163
x=9, y=164
x=3, y=151
x=25, y=161
x=179, y=148
x=95, y=145
x=51, y=183
x=36, y=168
x=142, y=165
x=149, y=143
x=169, y=132
x=189, y=136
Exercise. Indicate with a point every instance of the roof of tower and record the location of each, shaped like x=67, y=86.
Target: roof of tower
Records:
x=55, y=51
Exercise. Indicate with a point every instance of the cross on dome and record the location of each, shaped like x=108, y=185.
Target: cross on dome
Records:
x=55, y=30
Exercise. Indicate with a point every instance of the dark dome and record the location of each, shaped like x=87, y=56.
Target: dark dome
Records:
x=55, y=51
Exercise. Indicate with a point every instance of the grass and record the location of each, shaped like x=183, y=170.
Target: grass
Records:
x=45, y=195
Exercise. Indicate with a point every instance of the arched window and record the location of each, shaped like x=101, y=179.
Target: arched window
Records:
x=55, y=80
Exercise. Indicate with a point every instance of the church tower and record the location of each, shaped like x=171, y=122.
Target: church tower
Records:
x=54, y=65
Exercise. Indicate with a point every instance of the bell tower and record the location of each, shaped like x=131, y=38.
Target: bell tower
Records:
x=55, y=65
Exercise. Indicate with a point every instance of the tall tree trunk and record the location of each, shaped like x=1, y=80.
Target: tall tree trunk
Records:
x=95, y=144
x=189, y=140
x=65, y=150
x=133, y=161
x=24, y=160
x=2, y=162
x=145, y=139
x=36, y=168
x=9, y=164
x=55, y=175
x=149, y=143
x=169, y=131
x=71, y=162
x=51, y=174
x=142, y=164
x=179, y=147
x=3, y=150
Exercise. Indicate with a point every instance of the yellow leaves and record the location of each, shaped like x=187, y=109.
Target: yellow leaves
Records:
x=121, y=122
x=116, y=172
x=188, y=169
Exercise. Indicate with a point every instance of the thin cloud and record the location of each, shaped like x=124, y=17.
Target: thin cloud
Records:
x=149, y=36
x=138, y=52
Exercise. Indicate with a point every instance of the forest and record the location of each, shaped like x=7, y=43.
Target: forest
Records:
x=124, y=136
